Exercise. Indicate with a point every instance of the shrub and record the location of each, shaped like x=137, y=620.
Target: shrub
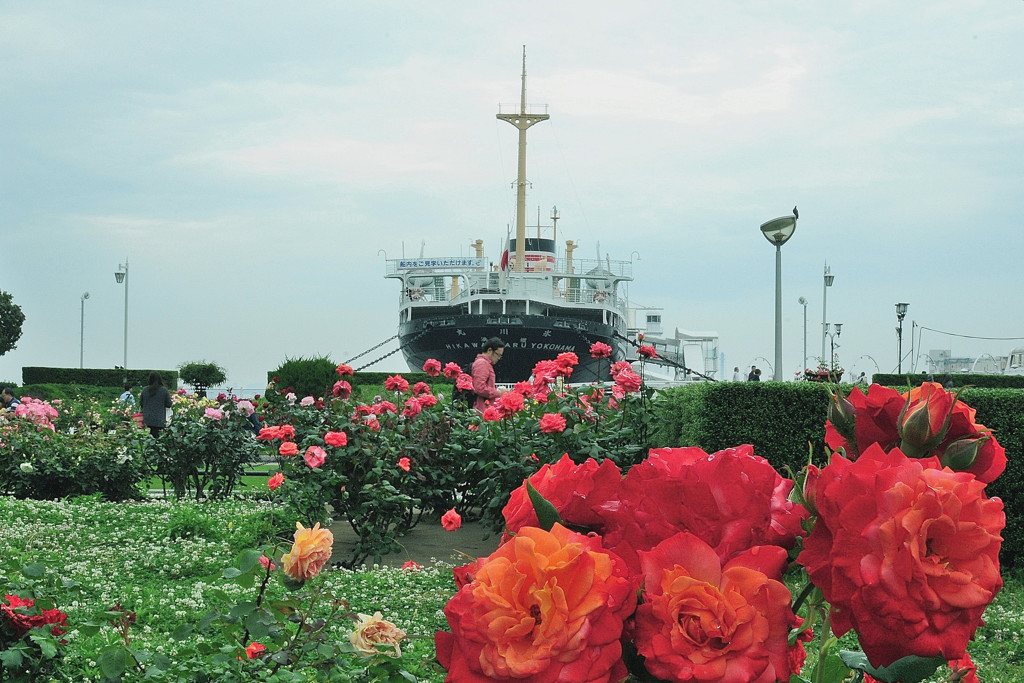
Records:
x=201, y=375
x=305, y=376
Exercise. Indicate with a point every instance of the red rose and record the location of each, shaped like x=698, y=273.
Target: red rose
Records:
x=705, y=620
x=404, y=463
x=336, y=439
x=646, y=351
x=427, y=400
x=396, y=383
x=287, y=432
x=464, y=382
x=342, y=369
x=451, y=520
x=510, y=403
x=907, y=553
x=732, y=500
x=432, y=367
x=412, y=407
x=552, y=423
x=877, y=414
x=578, y=492
x=275, y=481
x=254, y=650
x=600, y=350
x=288, y=448
x=420, y=388
x=628, y=380
x=341, y=389
x=545, y=607
x=452, y=370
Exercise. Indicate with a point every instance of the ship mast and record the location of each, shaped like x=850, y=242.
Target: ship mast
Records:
x=521, y=120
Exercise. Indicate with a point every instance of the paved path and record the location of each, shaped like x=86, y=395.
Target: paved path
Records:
x=426, y=543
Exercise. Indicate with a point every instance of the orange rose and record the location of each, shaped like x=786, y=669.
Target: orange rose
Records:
x=544, y=607
x=309, y=553
x=373, y=631
x=288, y=448
x=702, y=620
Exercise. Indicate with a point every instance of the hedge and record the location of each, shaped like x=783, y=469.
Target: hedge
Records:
x=99, y=377
x=782, y=420
x=955, y=380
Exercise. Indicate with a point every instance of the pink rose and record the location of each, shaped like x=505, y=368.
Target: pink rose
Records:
x=552, y=423
x=404, y=463
x=315, y=456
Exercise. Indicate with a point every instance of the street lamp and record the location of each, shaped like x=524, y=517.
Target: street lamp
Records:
x=122, y=276
x=829, y=277
x=778, y=231
x=803, y=301
x=81, y=348
x=901, y=312
x=832, y=338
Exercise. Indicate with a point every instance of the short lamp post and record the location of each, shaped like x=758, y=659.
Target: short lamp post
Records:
x=778, y=231
x=833, y=330
x=829, y=277
x=901, y=313
x=81, y=346
x=802, y=301
x=122, y=277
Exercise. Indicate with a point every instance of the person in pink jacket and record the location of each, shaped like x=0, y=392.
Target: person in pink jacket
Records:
x=483, y=373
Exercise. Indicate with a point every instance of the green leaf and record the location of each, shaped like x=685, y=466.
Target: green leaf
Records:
x=248, y=560
x=912, y=669
x=11, y=658
x=547, y=515
x=231, y=573
x=182, y=632
x=113, y=662
x=35, y=570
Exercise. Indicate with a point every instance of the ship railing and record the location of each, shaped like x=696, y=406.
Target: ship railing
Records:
x=513, y=108
x=561, y=268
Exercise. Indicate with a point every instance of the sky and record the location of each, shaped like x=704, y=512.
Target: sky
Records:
x=256, y=162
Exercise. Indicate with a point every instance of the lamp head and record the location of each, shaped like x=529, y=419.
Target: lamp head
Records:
x=802, y=300
x=779, y=230
x=901, y=310
x=85, y=296
x=119, y=276
x=839, y=329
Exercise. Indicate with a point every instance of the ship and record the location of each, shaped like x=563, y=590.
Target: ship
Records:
x=539, y=300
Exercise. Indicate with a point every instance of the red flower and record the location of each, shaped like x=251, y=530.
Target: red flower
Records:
x=383, y=407
x=287, y=432
x=452, y=370
x=545, y=607
x=600, y=350
x=552, y=423
x=732, y=500
x=628, y=380
x=336, y=439
x=566, y=362
x=432, y=367
x=578, y=492
x=427, y=400
x=288, y=448
x=404, y=463
x=269, y=434
x=411, y=566
x=275, y=481
x=267, y=563
x=420, y=388
x=619, y=366
x=705, y=620
x=341, y=389
x=342, y=369
x=906, y=553
x=646, y=351
x=464, y=382
x=510, y=403
x=451, y=520
x=412, y=407
x=254, y=650
x=396, y=383
x=492, y=414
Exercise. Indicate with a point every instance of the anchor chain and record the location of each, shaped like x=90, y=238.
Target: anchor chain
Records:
x=666, y=361
x=394, y=336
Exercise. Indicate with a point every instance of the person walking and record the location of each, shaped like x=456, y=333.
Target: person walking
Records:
x=155, y=400
x=737, y=376
x=483, y=373
x=127, y=398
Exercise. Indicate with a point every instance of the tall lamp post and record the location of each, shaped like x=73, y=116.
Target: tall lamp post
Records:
x=829, y=277
x=778, y=231
x=803, y=302
x=122, y=276
x=838, y=328
x=901, y=313
x=81, y=347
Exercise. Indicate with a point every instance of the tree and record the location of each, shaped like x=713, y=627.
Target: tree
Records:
x=11, y=320
x=201, y=375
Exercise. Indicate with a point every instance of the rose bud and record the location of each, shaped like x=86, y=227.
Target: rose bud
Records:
x=843, y=416
x=962, y=453
x=922, y=425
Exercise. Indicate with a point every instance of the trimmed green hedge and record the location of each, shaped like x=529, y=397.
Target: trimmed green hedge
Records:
x=781, y=419
x=98, y=377
x=959, y=380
